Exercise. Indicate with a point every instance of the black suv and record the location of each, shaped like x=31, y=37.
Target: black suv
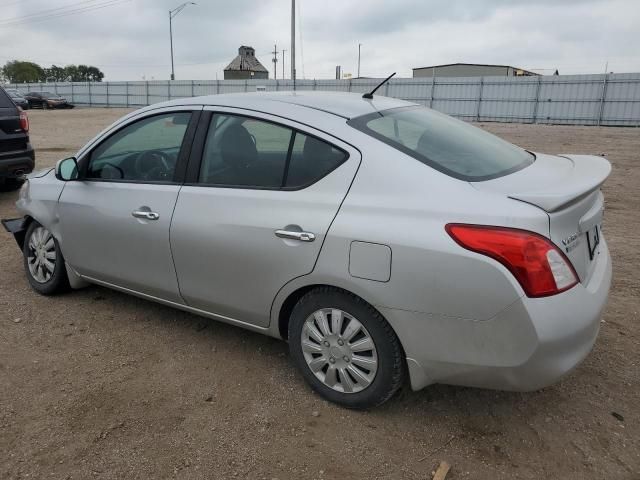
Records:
x=16, y=154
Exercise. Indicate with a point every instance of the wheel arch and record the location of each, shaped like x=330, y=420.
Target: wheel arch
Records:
x=20, y=236
x=289, y=299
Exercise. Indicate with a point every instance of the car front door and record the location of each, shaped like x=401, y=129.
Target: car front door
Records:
x=254, y=214
x=115, y=219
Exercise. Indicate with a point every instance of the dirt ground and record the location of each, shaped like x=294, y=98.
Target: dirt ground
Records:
x=98, y=384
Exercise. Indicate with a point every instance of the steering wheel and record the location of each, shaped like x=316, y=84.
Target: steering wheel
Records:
x=153, y=165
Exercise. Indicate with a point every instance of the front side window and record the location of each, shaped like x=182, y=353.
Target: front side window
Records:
x=246, y=152
x=449, y=145
x=145, y=151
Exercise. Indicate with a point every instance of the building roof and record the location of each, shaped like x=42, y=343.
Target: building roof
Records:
x=476, y=65
x=246, y=62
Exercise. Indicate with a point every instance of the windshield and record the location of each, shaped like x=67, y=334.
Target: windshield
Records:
x=451, y=146
x=50, y=96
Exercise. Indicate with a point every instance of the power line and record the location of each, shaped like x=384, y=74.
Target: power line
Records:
x=75, y=11
x=13, y=3
x=46, y=12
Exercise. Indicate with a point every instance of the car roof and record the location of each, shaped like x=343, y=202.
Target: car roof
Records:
x=346, y=105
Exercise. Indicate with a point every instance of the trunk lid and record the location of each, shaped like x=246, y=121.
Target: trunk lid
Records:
x=567, y=188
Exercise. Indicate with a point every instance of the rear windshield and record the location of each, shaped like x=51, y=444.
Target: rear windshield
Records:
x=5, y=101
x=451, y=146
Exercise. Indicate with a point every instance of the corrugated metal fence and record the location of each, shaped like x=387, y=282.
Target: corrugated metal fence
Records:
x=612, y=99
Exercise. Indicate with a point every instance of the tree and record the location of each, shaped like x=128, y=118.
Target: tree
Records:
x=29, y=72
x=55, y=73
x=83, y=73
x=20, y=72
x=95, y=74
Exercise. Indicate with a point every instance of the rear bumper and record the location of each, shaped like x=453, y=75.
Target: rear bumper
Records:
x=529, y=345
x=17, y=163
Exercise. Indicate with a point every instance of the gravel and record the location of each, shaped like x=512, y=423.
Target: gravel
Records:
x=98, y=384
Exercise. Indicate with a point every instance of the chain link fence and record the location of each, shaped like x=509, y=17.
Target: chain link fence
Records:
x=606, y=99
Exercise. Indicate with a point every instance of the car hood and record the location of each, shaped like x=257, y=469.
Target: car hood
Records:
x=40, y=173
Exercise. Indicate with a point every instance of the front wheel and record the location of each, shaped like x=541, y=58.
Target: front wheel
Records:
x=345, y=349
x=43, y=261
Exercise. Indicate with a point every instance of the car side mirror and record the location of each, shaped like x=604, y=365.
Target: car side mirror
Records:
x=67, y=169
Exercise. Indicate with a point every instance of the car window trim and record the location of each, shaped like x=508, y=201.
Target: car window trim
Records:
x=287, y=162
x=197, y=157
x=183, y=153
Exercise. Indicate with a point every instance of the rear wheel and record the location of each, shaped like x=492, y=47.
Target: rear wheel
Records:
x=43, y=261
x=345, y=349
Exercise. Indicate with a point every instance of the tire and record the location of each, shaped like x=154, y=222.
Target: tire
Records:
x=372, y=375
x=44, y=279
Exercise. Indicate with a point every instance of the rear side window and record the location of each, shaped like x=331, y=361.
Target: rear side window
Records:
x=311, y=159
x=5, y=100
x=245, y=152
x=449, y=145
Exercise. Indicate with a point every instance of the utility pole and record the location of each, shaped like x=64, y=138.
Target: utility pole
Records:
x=172, y=14
x=275, y=62
x=283, y=59
x=173, y=74
x=359, y=46
x=293, y=42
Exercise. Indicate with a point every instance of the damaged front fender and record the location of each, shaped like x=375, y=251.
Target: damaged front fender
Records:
x=17, y=227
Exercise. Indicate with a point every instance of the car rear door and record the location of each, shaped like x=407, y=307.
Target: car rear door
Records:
x=261, y=195
x=115, y=219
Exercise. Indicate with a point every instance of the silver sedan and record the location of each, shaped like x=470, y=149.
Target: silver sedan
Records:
x=384, y=241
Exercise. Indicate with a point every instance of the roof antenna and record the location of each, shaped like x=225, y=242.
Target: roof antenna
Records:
x=369, y=95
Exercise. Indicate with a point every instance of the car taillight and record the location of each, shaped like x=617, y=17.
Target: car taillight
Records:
x=24, y=121
x=538, y=265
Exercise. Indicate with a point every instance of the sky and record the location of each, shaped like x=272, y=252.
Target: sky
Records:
x=129, y=39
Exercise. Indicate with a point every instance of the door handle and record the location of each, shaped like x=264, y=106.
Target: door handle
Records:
x=292, y=235
x=145, y=215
